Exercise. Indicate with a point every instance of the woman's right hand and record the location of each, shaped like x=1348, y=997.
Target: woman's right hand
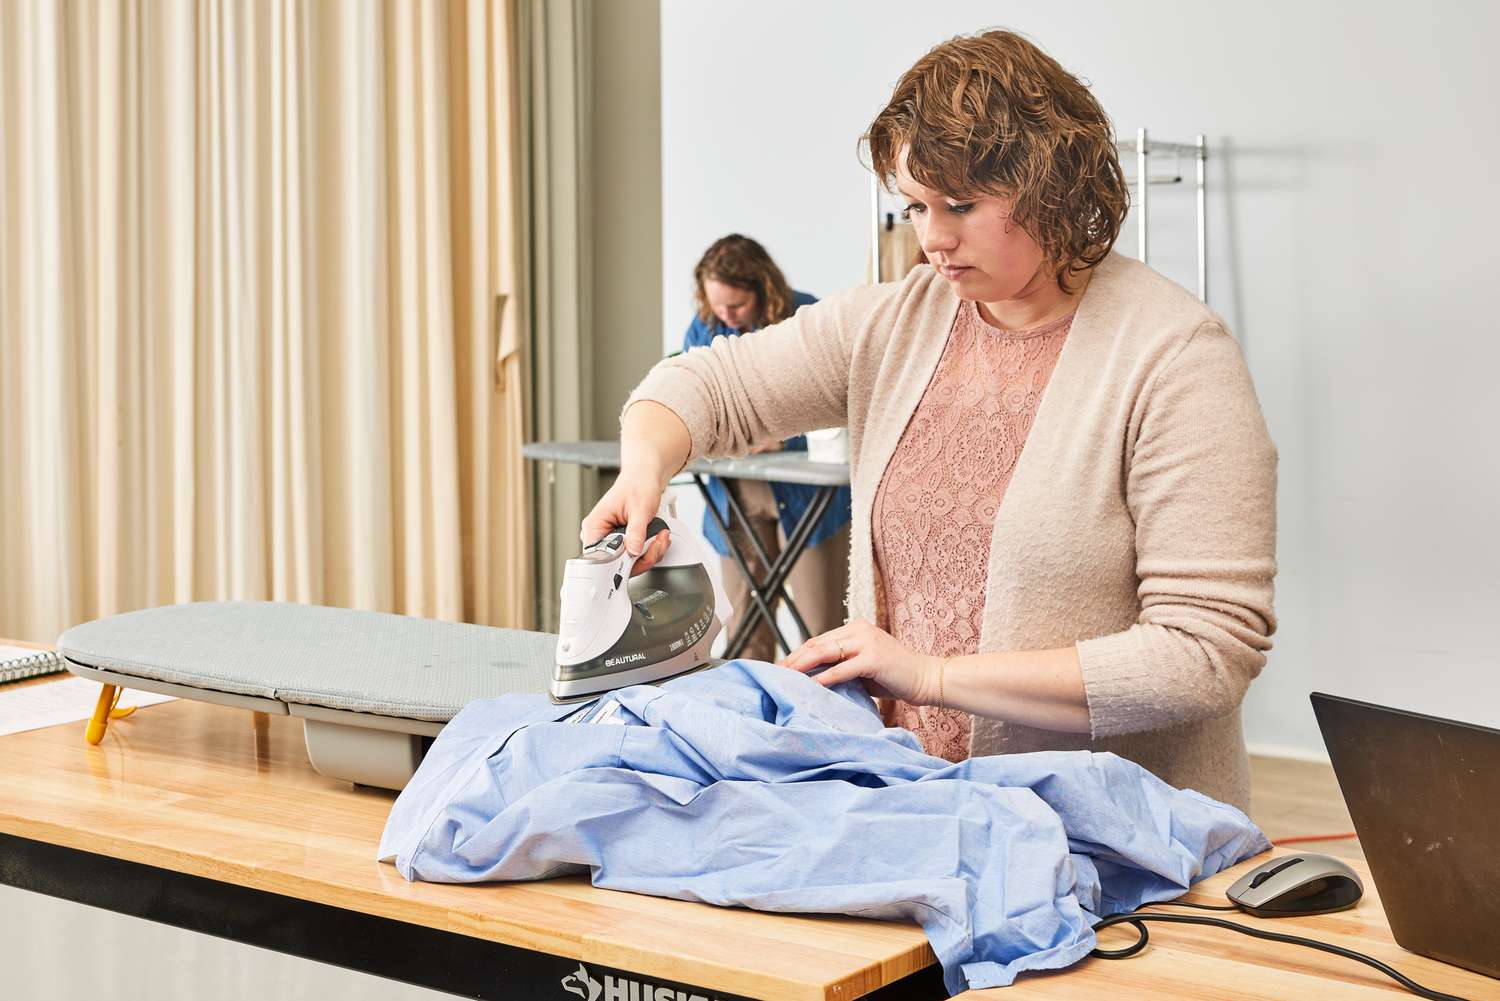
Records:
x=633, y=501
x=654, y=445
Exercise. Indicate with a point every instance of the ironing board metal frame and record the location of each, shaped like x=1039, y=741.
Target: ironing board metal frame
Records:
x=784, y=467
x=371, y=690
x=112, y=684
x=362, y=747
x=764, y=592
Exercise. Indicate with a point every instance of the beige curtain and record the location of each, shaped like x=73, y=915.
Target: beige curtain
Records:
x=259, y=311
x=555, y=85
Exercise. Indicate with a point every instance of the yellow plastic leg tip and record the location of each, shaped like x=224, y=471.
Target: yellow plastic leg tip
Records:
x=103, y=709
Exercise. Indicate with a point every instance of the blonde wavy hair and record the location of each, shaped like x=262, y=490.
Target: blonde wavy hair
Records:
x=743, y=263
x=992, y=114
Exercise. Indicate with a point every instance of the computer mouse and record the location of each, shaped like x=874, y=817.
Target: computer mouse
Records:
x=1295, y=885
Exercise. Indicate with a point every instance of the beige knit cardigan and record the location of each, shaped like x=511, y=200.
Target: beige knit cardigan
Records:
x=1139, y=525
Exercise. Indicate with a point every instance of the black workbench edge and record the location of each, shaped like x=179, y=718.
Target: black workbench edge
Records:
x=398, y=950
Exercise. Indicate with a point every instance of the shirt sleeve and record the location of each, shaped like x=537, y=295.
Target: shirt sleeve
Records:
x=782, y=380
x=1201, y=488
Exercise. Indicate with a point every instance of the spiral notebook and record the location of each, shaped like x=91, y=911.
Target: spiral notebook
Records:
x=17, y=662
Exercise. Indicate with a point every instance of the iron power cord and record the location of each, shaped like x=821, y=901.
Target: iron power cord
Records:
x=1136, y=917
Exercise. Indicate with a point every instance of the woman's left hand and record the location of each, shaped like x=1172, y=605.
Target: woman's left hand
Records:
x=860, y=649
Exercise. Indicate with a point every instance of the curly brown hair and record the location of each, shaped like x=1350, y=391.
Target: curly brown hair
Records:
x=993, y=114
x=742, y=262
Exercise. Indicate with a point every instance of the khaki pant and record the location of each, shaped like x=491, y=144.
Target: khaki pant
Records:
x=817, y=582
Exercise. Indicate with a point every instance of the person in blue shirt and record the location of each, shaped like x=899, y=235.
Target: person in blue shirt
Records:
x=737, y=289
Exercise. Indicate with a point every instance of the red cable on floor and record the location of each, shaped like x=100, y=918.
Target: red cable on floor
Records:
x=1313, y=837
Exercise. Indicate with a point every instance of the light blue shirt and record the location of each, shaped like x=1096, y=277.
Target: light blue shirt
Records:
x=752, y=785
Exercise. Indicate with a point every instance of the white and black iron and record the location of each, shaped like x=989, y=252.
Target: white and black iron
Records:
x=617, y=630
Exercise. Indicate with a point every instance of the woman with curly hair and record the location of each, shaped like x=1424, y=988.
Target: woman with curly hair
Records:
x=737, y=288
x=1064, y=490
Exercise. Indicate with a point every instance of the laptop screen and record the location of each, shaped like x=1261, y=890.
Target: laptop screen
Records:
x=1424, y=794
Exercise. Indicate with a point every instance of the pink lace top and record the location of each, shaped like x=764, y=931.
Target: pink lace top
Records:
x=935, y=509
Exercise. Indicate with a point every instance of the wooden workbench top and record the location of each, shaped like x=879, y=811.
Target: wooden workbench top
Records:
x=196, y=788
x=1216, y=964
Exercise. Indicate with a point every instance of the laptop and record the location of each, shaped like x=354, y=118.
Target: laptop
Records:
x=1424, y=793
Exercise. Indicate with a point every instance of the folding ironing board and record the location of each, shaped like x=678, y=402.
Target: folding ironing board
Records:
x=372, y=689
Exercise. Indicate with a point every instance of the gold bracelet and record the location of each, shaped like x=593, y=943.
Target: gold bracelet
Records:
x=942, y=666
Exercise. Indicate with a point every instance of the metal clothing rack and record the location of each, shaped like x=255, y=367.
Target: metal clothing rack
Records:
x=1143, y=147
x=881, y=217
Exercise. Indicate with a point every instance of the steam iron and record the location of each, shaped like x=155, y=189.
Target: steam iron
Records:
x=617, y=630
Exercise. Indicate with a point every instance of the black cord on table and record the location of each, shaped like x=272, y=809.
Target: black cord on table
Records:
x=1136, y=917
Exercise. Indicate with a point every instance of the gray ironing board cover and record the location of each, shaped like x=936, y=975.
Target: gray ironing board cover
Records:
x=775, y=467
x=336, y=658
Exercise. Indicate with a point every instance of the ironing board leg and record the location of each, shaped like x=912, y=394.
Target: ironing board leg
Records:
x=260, y=723
x=765, y=592
x=100, y=720
x=764, y=600
x=779, y=570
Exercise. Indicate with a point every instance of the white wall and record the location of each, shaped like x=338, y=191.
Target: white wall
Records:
x=625, y=202
x=1351, y=226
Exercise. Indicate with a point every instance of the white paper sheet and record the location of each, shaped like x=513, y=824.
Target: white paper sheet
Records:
x=67, y=701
